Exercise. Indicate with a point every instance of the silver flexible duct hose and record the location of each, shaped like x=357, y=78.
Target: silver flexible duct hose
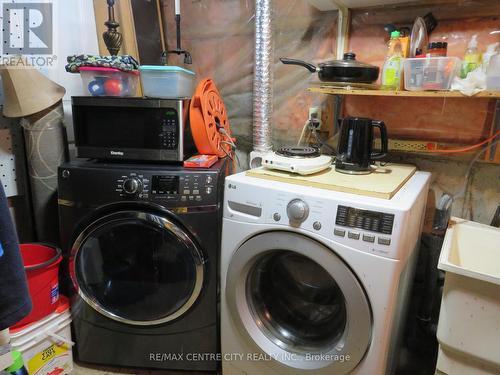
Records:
x=263, y=76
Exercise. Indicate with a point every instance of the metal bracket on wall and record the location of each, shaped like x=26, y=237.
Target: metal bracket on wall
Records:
x=342, y=31
x=12, y=169
x=342, y=21
x=337, y=111
x=495, y=127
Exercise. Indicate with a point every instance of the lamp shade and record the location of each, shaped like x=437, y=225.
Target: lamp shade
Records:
x=27, y=91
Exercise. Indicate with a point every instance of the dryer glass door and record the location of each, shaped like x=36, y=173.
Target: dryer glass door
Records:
x=137, y=268
x=298, y=302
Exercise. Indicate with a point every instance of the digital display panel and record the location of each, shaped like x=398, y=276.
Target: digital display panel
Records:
x=363, y=219
x=165, y=185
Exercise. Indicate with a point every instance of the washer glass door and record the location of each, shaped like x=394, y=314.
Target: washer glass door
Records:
x=137, y=268
x=300, y=305
x=298, y=302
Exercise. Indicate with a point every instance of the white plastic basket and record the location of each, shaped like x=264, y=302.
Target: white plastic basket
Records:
x=469, y=320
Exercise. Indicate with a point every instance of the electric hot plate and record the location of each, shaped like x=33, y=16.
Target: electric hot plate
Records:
x=298, y=152
x=295, y=159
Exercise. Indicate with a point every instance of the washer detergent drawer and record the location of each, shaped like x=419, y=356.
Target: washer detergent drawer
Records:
x=137, y=268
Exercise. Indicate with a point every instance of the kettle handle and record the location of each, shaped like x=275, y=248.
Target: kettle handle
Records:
x=383, y=139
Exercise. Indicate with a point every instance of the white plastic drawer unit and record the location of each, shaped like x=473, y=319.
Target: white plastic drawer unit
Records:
x=469, y=321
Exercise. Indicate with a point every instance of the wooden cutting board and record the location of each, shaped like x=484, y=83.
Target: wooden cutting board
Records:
x=383, y=183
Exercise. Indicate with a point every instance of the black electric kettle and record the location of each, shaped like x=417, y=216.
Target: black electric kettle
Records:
x=355, y=150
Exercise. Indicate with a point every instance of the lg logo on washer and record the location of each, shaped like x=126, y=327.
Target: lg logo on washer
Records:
x=28, y=31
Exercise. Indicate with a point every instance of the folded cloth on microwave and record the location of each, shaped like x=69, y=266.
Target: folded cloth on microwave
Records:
x=15, y=303
x=125, y=63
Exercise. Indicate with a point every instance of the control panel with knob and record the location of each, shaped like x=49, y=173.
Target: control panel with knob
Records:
x=132, y=186
x=297, y=211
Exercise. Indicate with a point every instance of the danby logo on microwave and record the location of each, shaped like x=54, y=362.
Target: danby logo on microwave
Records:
x=116, y=153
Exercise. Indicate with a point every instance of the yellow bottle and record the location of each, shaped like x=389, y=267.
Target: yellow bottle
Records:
x=392, y=70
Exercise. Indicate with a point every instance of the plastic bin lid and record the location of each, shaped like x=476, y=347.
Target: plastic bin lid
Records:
x=106, y=70
x=166, y=68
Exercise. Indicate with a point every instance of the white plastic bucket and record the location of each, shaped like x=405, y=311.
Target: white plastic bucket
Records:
x=46, y=345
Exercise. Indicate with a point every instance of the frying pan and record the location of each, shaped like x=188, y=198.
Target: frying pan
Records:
x=346, y=70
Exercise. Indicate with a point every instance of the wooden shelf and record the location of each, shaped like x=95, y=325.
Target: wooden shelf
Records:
x=408, y=94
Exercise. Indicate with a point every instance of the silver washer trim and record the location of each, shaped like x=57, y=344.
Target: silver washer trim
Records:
x=356, y=338
x=160, y=222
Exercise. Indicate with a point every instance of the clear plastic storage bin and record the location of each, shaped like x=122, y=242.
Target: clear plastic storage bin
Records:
x=167, y=81
x=430, y=73
x=99, y=81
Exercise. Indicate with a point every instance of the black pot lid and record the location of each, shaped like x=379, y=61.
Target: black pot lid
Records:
x=349, y=61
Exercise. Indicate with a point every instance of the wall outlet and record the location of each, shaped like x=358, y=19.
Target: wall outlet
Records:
x=315, y=116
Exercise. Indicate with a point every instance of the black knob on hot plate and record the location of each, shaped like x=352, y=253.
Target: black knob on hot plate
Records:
x=132, y=186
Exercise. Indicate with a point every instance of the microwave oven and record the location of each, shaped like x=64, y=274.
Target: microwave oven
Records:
x=134, y=129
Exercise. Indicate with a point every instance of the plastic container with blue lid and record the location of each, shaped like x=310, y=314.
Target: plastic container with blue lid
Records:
x=165, y=81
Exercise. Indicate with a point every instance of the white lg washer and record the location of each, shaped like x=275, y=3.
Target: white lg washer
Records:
x=315, y=281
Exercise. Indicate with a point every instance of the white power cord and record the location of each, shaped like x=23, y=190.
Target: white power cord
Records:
x=231, y=143
x=230, y=140
x=303, y=133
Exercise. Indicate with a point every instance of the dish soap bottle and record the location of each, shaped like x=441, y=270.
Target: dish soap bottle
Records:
x=391, y=72
x=471, y=58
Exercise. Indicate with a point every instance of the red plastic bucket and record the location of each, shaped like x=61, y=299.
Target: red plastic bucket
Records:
x=41, y=264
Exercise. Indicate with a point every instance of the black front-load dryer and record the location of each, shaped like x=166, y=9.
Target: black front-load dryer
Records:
x=141, y=245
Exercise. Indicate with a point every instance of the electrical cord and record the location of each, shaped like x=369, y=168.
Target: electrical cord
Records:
x=445, y=202
x=303, y=133
x=321, y=142
x=225, y=134
x=227, y=154
x=465, y=149
x=469, y=169
x=231, y=143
